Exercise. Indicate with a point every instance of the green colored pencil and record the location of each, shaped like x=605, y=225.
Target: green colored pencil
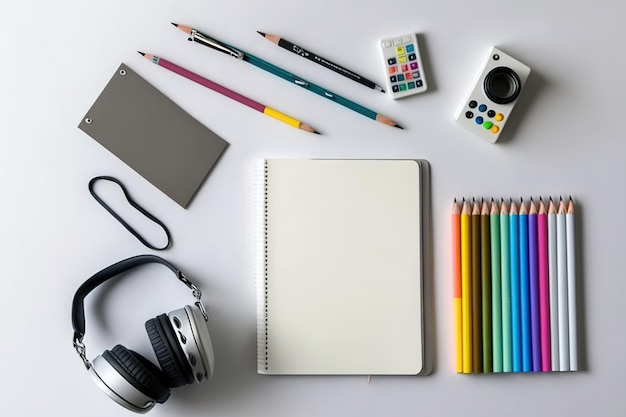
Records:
x=496, y=287
x=485, y=268
x=477, y=322
x=505, y=264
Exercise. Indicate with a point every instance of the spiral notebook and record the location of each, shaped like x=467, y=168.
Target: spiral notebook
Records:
x=340, y=267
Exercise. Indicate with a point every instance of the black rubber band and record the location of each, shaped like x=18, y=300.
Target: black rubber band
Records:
x=133, y=204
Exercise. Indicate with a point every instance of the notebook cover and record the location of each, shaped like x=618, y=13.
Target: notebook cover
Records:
x=340, y=267
x=153, y=135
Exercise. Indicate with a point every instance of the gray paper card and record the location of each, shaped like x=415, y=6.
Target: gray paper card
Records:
x=153, y=135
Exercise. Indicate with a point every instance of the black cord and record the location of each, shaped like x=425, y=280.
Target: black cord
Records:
x=136, y=206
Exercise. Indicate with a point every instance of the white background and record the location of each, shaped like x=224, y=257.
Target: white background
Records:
x=565, y=138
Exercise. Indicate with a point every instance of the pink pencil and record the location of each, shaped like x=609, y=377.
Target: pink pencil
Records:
x=544, y=287
x=228, y=93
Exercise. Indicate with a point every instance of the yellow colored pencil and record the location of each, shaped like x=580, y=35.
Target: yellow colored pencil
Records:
x=466, y=288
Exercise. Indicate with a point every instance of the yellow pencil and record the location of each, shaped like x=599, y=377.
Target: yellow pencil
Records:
x=466, y=287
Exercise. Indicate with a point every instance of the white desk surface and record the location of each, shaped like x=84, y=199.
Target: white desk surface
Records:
x=565, y=138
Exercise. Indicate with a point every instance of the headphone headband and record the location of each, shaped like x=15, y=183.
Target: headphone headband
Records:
x=78, y=306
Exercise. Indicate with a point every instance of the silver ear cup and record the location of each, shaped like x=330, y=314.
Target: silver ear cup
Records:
x=117, y=388
x=193, y=336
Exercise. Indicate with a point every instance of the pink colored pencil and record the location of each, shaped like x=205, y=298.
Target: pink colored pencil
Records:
x=544, y=287
x=262, y=108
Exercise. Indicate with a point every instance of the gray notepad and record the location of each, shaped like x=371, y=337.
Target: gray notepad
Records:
x=153, y=135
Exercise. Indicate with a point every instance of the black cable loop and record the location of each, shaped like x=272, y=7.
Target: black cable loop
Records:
x=134, y=205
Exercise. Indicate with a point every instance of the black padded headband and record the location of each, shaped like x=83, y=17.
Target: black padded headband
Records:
x=78, y=306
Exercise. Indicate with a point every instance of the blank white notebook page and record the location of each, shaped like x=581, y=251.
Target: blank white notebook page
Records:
x=341, y=287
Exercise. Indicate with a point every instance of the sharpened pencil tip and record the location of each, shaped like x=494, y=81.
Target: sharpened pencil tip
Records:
x=260, y=33
x=399, y=127
x=141, y=53
x=175, y=24
x=316, y=132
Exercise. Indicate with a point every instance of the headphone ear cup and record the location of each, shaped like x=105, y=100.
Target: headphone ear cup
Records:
x=139, y=372
x=168, y=351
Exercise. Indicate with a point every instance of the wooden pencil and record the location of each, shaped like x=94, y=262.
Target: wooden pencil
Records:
x=533, y=276
x=262, y=108
x=561, y=246
x=485, y=270
x=554, y=287
x=456, y=284
x=505, y=272
x=544, y=286
x=516, y=321
x=571, y=286
x=477, y=355
x=524, y=294
x=466, y=287
x=496, y=287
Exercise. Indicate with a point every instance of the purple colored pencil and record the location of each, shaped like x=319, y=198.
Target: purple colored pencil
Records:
x=533, y=270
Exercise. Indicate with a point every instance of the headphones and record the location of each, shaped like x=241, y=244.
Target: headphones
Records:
x=180, y=340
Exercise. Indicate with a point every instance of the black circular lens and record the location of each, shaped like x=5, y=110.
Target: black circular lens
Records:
x=502, y=85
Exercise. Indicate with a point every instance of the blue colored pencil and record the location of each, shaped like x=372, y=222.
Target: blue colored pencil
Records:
x=516, y=329
x=527, y=365
x=533, y=264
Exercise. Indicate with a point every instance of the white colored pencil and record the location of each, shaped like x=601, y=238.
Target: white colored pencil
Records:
x=561, y=247
x=571, y=287
x=552, y=274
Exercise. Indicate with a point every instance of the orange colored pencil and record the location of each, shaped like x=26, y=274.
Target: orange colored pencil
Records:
x=456, y=284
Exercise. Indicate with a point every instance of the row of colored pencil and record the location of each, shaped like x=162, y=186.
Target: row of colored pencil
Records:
x=514, y=266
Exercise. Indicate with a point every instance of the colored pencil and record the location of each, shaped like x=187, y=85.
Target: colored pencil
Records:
x=505, y=254
x=571, y=287
x=544, y=286
x=561, y=246
x=554, y=287
x=514, y=285
x=477, y=323
x=228, y=93
x=456, y=283
x=466, y=287
x=516, y=319
x=524, y=288
x=205, y=40
x=533, y=275
x=326, y=63
x=496, y=287
x=485, y=278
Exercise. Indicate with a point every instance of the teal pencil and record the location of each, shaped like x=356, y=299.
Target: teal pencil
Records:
x=496, y=287
x=516, y=319
x=505, y=264
x=485, y=278
x=206, y=40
